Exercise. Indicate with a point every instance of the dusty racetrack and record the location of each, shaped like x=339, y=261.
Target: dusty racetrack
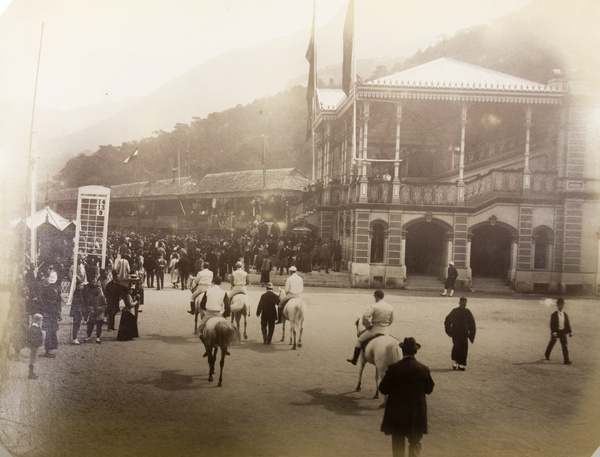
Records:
x=150, y=397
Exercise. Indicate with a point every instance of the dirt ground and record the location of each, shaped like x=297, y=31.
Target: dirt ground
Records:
x=150, y=397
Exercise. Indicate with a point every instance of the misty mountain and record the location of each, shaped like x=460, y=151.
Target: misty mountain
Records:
x=529, y=44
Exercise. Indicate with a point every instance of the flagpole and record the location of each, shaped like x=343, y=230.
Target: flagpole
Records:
x=32, y=167
x=314, y=77
x=179, y=164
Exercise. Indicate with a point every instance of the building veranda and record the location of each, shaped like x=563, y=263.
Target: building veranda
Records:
x=445, y=161
x=448, y=161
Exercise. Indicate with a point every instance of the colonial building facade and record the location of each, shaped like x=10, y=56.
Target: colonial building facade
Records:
x=448, y=161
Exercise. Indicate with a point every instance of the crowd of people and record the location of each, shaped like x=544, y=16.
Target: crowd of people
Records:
x=135, y=261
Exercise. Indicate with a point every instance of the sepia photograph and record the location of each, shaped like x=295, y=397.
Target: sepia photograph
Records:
x=299, y=228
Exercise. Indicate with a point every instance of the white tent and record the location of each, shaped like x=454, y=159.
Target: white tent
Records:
x=48, y=215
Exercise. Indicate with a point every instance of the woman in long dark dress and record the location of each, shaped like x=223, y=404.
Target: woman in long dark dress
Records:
x=128, y=328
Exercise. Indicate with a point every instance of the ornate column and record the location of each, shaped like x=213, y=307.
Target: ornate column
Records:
x=526, y=170
x=363, y=196
x=514, y=245
x=327, y=166
x=396, y=181
x=461, y=161
x=468, y=260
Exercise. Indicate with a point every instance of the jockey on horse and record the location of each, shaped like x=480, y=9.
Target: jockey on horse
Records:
x=294, y=285
x=214, y=303
x=377, y=319
x=238, y=281
x=200, y=284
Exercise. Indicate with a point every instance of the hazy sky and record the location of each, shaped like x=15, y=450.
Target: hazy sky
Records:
x=110, y=50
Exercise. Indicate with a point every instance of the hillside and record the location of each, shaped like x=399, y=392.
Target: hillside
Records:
x=232, y=139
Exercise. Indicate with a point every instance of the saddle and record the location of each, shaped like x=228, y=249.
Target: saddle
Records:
x=365, y=343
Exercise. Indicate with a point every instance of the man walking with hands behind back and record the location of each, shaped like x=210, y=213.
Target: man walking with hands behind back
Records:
x=460, y=326
x=406, y=383
x=560, y=327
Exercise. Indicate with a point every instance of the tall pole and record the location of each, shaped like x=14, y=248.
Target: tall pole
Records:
x=264, y=164
x=31, y=165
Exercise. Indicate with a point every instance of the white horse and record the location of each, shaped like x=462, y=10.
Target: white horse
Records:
x=240, y=306
x=294, y=312
x=382, y=351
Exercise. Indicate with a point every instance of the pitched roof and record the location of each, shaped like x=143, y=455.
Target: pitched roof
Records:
x=47, y=214
x=283, y=180
x=162, y=187
x=446, y=73
x=330, y=99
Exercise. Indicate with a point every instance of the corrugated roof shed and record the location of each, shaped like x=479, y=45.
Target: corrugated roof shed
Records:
x=284, y=181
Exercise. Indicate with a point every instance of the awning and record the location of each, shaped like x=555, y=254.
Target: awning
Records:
x=48, y=215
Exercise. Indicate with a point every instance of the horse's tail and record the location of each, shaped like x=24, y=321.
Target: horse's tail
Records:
x=296, y=311
x=226, y=334
x=392, y=355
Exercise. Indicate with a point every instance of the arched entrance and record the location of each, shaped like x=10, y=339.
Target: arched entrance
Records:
x=424, y=248
x=490, y=251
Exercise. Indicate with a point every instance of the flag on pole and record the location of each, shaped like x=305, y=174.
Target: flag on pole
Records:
x=347, y=76
x=311, y=56
x=132, y=156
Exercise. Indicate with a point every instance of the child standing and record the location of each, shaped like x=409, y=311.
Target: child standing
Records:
x=36, y=339
x=96, y=313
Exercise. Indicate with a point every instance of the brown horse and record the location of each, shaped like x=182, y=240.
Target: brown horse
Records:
x=218, y=333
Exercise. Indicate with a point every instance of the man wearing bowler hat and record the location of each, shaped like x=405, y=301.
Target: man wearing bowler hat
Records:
x=560, y=327
x=406, y=383
x=267, y=311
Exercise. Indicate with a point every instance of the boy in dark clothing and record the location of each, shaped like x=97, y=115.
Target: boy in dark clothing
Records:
x=36, y=339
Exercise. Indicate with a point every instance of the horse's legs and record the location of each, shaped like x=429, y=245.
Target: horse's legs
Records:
x=245, y=334
x=363, y=362
x=283, y=329
x=221, y=364
x=211, y=363
x=376, y=383
x=293, y=335
x=196, y=323
x=300, y=335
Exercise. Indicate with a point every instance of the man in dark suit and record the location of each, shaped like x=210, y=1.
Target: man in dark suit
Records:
x=267, y=311
x=460, y=326
x=406, y=383
x=560, y=327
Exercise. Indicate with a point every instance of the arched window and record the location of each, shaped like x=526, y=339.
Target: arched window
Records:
x=542, y=248
x=377, y=243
